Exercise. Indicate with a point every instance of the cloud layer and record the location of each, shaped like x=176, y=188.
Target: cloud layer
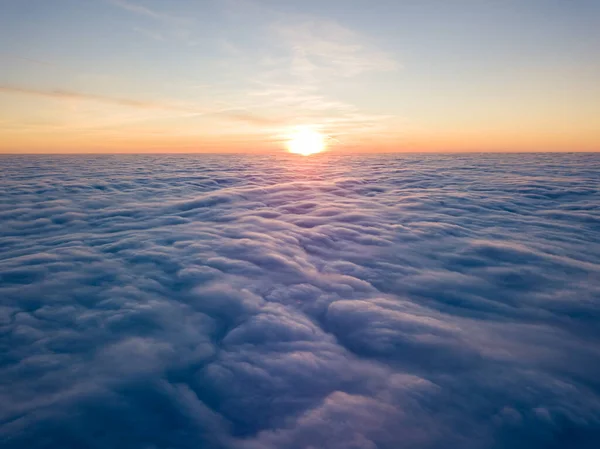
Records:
x=279, y=302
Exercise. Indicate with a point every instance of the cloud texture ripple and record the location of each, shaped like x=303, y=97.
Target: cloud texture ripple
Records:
x=280, y=302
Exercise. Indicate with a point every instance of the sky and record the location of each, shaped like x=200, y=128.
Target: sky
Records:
x=245, y=75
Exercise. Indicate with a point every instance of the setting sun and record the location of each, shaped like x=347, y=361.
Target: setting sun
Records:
x=306, y=142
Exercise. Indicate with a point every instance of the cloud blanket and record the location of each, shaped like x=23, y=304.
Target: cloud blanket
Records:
x=270, y=302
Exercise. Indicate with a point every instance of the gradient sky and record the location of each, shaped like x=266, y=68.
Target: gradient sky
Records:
x=242, y=75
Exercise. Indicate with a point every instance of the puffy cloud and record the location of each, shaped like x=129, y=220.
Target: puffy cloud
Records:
x=327, y=302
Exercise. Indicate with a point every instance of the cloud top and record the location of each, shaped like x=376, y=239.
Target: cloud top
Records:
x=326, y=302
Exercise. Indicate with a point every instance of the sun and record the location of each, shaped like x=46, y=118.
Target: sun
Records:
x=306, y=142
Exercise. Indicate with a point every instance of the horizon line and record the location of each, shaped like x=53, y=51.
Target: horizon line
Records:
x=264, y=153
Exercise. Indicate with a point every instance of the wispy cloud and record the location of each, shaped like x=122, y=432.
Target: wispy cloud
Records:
x=144, y=11
x=170, y=26
x=251, y=118
x=298, y=58
x=27, y=59
x=318, y=48
x=273, y=79
x=72, y=95
x=297, y=97
x=233, y=114
x=298, y=104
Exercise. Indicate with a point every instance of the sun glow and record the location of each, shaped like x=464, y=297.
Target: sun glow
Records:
x=306, y=142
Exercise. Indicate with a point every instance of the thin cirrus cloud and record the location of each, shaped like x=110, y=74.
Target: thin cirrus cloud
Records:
x=270, y=103
x=307, y=56
x=145, y=11
x=320, y=48
x=232, y=114
x=60, y=94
